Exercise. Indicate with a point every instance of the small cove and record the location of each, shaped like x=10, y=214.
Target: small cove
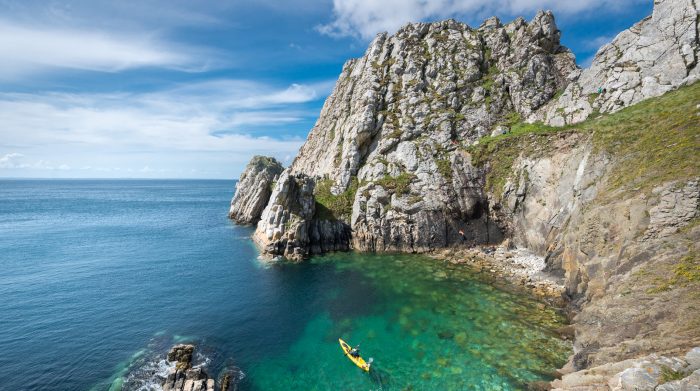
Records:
x=103, y=276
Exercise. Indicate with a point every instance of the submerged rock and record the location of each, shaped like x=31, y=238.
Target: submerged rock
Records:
x=253, y=189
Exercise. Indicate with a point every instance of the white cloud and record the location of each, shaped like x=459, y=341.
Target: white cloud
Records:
x=597, y=42
x=18, y=161
x=148, y=133
x=10, y=160
x=365, y=18
x=26, y=49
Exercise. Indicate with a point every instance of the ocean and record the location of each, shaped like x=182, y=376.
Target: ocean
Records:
x=98, y=278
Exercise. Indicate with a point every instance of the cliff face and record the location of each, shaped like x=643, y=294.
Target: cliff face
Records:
x=290, y=225
x=387, y=142
x=253, y=189
x=649, y=59
x=409, y=154
x=613, y=204
x=389, y=152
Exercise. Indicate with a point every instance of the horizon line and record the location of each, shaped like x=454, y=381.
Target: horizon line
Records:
x=121, y=178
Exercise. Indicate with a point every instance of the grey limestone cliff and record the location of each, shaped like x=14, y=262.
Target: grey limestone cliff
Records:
x=288, y=226
x=253, y=189
x=396, y=122
x=387, y=163
x=649, y=59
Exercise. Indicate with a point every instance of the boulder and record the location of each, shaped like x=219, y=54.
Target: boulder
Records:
x=643, y=378
x=182, y=355
x=693, y=359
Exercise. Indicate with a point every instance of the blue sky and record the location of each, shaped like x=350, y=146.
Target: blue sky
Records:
x=193, y=89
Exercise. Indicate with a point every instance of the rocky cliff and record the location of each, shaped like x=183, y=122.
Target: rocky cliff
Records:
x=253, y=189
x=649, y=59
x=295, y=225
x=425, y=144
x=386, y=153
x=389, y=155
x=613, y=205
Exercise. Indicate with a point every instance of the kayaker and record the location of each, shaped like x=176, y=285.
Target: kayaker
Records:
x=355, y=352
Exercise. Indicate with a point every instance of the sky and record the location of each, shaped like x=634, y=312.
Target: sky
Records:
x=194, y=89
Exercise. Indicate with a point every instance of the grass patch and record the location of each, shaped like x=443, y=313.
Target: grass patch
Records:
x=668, y=374
x=395, y=133
x=334, y=207
x=338, y=154
x=488, y=78
x=652, y=142
x=512, y=119
x=441, y=36
x=685, y=272
x=398, y=184
x=592, y=97
x=444, y=168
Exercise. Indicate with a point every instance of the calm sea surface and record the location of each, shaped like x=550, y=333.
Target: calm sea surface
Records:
x=98, y=278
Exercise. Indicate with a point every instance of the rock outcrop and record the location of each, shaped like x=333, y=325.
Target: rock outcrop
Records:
x=185, y=377
x=391, y=137
x=291, y=226
x=253, y=189
x=652, y=57
x=614, y=254
x=387, y=168
x=648, y=373
x=284, y=225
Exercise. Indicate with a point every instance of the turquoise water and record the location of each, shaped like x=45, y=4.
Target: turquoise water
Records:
x=99, y=278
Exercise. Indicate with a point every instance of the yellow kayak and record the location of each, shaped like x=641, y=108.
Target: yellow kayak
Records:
x=357, y=360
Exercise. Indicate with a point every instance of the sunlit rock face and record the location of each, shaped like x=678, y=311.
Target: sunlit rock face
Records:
x=649, y=59
x=394, y=128
x=253, y=189
x=392, y=139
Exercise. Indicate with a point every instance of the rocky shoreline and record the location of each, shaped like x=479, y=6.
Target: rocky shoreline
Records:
x=183, y=376
x=600, y=217
x=520, y=270
x=648, y=373
x=517, y=266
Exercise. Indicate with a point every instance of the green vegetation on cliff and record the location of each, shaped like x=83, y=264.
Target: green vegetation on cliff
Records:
x=652, y=142
x=334, y=207
x=398, y=184
x=684, y=273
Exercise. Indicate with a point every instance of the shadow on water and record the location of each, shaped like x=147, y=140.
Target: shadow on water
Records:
x=379, y=377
